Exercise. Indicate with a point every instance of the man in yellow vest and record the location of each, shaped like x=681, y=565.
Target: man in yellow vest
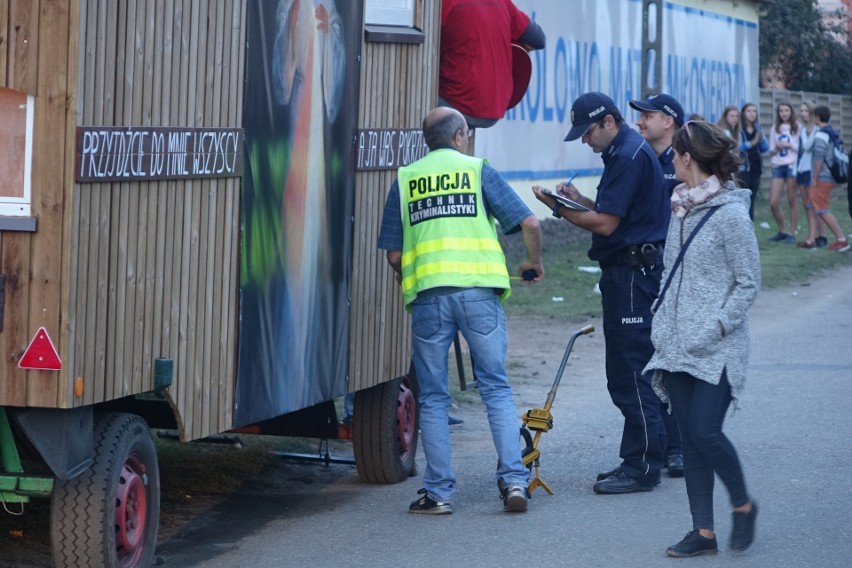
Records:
x=440, y=236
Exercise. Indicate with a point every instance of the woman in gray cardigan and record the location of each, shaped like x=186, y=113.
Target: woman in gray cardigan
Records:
x=700, y=327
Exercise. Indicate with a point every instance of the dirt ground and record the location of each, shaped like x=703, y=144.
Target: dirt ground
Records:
x=187, y=520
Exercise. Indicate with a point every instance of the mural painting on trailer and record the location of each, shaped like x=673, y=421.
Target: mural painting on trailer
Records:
x=298, y=201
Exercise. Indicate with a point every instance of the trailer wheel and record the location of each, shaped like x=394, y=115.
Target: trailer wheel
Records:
x=385, y=427
x=109, y=515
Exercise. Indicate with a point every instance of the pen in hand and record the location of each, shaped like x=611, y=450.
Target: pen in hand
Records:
x=567, y=183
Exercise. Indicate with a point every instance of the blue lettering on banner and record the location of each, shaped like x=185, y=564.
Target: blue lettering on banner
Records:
x=705, y=84
x=572, y=68
x=602, y=52
x=625, y=75
x=576, y=70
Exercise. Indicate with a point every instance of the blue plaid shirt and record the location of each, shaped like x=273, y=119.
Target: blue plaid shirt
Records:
x=501, y=202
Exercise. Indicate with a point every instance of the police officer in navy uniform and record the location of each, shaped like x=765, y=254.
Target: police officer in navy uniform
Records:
x=628, y=220
x=660, y=116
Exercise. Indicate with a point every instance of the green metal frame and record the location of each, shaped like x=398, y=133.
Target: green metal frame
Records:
x=14, y=486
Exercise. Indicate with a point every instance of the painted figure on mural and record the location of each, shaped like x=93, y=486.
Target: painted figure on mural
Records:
x=297, y=205
x=308, y=67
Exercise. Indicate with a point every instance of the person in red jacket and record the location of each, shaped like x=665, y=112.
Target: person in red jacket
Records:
x=476, y=56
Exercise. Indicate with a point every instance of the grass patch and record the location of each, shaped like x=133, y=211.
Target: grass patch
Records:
x=565, y=292
x=188, y=469
x=781, y=265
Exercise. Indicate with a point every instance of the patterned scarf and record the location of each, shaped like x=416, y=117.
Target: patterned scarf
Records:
x=685, y=198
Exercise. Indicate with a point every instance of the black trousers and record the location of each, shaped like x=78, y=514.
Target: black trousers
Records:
x=751, y=180
x=626, y=296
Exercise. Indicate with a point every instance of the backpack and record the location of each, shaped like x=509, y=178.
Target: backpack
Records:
x=839, y=165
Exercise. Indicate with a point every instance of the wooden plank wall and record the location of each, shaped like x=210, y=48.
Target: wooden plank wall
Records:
x=154, y=271
x=399, y=85
x=36, y=38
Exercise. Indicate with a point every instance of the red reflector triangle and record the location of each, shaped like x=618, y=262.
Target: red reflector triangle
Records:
x=40, y=354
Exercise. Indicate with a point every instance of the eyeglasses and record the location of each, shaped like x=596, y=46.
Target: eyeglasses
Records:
x=686, y=127
x=464, y=132
x=590, y=129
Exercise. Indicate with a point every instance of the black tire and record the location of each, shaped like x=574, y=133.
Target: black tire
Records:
x=109, y=515
x=526, y=444
x=386, y=425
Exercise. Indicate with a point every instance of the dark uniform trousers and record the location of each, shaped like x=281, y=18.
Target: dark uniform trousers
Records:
x=627, y=293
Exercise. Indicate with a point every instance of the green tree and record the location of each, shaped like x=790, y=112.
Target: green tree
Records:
x=801, y=49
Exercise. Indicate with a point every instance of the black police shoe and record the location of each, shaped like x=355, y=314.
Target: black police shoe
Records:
x=693, y=544
x=743, y=533
x=675, y=465
x=604, y=474
x=620, y=483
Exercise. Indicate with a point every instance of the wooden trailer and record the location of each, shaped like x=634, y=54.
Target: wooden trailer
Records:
x=190, y=196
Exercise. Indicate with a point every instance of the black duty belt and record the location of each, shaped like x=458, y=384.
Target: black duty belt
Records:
x=636, y=256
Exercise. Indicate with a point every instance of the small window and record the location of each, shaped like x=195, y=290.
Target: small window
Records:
x=16, y=135
x=389, y=12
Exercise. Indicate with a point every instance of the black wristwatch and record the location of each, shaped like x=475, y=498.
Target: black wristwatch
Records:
x=556, y=207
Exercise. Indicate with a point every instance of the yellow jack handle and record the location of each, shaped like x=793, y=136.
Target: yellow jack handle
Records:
x=540, y=420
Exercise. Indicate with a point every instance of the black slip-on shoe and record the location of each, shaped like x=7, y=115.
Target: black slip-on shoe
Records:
x=620, y=483
x=742, y=534
x=693, y=544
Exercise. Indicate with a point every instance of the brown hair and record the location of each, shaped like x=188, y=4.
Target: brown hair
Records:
x=723, y=124
x=794, y=124
x=707, y=144
x=744, y=120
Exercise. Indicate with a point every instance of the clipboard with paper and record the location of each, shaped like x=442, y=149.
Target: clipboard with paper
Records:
x=566, y=201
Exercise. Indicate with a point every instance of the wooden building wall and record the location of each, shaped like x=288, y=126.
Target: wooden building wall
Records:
x=123, y=273
x=154, y=270
x=399, y=85
x=37, y=40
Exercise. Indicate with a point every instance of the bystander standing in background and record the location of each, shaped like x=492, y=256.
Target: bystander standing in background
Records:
x=821, y=180
x=784, y=148
x=752, y=145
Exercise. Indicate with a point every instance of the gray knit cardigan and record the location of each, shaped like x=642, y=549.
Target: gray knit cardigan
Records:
x=716, y=282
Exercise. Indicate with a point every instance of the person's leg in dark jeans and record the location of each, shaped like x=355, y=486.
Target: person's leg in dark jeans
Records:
x=700, y=410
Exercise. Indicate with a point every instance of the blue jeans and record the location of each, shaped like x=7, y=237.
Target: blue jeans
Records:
x=478, y=315
x=783, y=172
x=700, y=410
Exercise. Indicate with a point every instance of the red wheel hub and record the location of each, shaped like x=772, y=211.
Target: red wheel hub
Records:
x=406, y=421
x=131, y=512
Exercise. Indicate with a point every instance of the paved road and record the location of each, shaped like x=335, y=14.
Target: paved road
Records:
x=793, y=433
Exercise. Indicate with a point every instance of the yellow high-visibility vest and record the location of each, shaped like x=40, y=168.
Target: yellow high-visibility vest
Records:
x=448, y=239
